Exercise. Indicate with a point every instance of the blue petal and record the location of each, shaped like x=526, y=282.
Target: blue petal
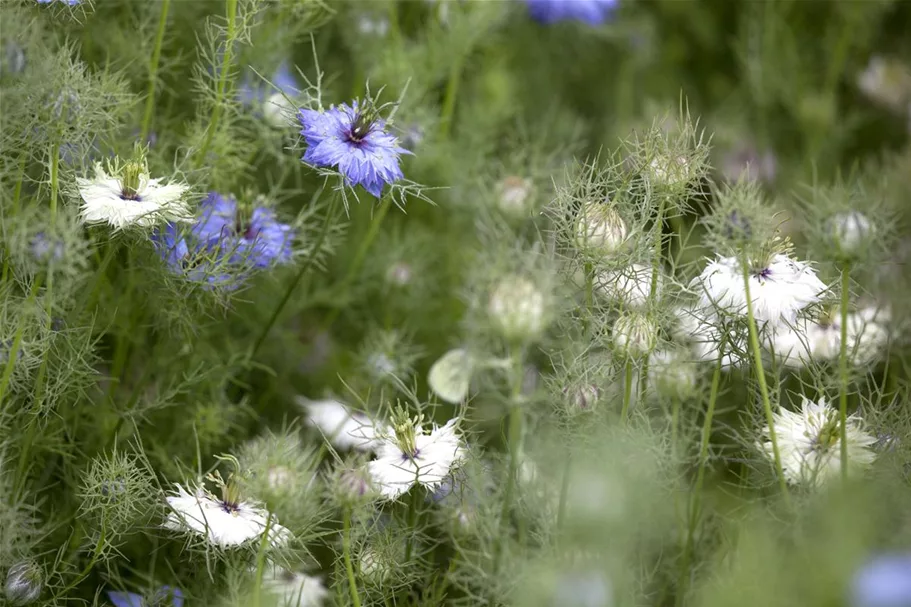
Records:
x=125, y=599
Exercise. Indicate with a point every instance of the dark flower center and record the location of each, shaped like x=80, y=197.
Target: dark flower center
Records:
x=762, y=274
x=230, y=507
x=246, y=230
x=363, y=124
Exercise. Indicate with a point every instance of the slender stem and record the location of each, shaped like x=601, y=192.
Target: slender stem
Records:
x=763, y=387
x=413, y=506
x=261, y=560
x=696, y=496
x=514, y=440
x=222, y=81
x=843, y=369
x=657, y=256
x=153, y=71
x=449, y=101
x=346, y=550
x=564, y=490
x=13, y=352
x=359, y=257
x=55, y=166
x=627, y=389
x=305, y=267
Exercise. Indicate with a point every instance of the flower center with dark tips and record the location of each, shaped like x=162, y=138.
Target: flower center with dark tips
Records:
x=230, y=507
x=763, y=274
x=363, y=124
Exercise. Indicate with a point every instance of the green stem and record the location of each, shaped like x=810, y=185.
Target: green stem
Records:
x=305, y=267
x=763, y=386
x=449, y=100
x=627, y=389
x=413, y=506
x=564, y=490
x=696, y=497
x=261, y=561
x=843, y=369
x=358, y=260
x=346, y=550
x=153, y=71
x=514, y=440
x=657, y=256
x=13, y=352
x=55, y=169
x=227, y=58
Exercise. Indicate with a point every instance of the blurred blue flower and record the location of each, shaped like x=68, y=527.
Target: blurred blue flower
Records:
x=354, y=140
x=885, y=581
x=593, y=12
x=46, y=249
x=583, y=590
x=69, y=2
x=258, y=237
x=253, y=91
x=166, y=596
x=198, y=264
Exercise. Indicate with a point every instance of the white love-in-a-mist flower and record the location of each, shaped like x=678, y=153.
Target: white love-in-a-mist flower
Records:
x=293, y=588
x=341, y=425
x=779, y=288
x=411, y=456
x=867, y=333
x=600, y=230
x=517, y=308
x=224, y=522
x=450, y=375
x=850, y=231
x=809, y=443
x=127, y=196
x=630, y=286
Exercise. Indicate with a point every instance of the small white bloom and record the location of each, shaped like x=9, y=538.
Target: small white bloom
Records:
x=400, y=274
x=517, y=308
x=635, y=334
x=412, y=457
x=886, y=81
x=223, y=524
x=371, y=25
x=630, y=285
x=514, y=195
x=778, y=291
x=295, y=589
x=851, y=230
x=600, y=230
x=866, y=331
x=341, y=425
x=132, y=198
x=450, y=376
x=809, y=443
x=279, y=111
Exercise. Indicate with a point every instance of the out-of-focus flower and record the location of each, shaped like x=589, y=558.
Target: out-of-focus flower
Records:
x=517, y=308
x=272, y=104
x=166, y=596
x=592, y=12
x=450, y=375
x=809, y=443
x=884, y=581
x=294, y=589
x=745, y=161
x=867, y=334
x=341, y=425
x=887, y=82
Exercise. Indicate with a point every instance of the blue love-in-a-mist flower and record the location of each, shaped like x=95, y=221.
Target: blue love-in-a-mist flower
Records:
x=353, y=139
x=255, y=237
x=166, y=596
x=884, y=581
x=593, y=12
x=69, y=2
x=44, y=248
x=198, y=261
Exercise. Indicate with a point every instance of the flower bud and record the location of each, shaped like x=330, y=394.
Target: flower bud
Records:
x=850, y=231
x=24, y=582
x=278, y=111
x=582, y=398
x=600, y=230
x=514, y=195
x=672, y=375
x=630, y=286
x=450, y=376
x=354, y=485
x=635, y=335
x=280, y=478
x=670, y=170
x=399, y=274
x=517, y=309
x=375, y=567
